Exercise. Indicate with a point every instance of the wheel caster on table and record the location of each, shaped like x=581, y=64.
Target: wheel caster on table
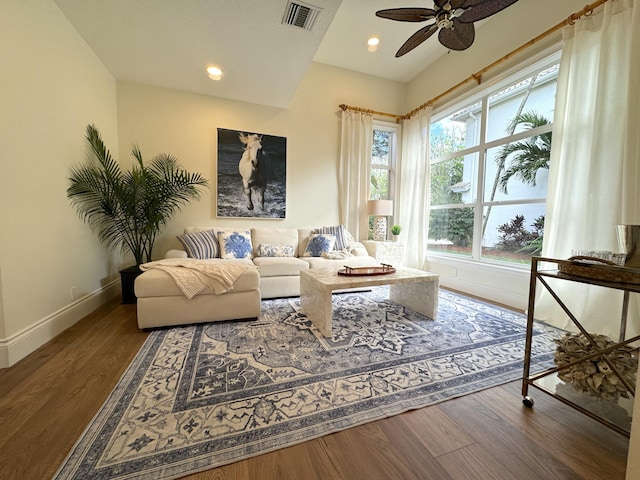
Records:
x=527, y=402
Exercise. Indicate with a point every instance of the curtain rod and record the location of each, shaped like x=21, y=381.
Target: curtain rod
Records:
x=586, y=11
x=373, y=112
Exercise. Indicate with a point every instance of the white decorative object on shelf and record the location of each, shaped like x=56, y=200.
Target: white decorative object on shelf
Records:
x=596, y=376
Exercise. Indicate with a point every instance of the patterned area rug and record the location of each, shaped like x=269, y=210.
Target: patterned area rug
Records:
x=197, y=397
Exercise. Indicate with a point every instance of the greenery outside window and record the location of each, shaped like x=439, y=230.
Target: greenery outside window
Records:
x=489, y=164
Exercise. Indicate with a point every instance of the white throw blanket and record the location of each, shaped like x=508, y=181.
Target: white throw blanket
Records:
x=193, y=276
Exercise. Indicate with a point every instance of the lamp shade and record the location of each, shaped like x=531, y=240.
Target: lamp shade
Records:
x=380, y=208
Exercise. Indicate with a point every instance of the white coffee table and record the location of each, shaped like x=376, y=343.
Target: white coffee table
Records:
x=415, y=289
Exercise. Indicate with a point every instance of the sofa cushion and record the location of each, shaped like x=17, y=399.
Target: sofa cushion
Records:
x=158, y=283
x=318, y=244
x=201, y=245
x=272, y=250
x=235, y=244
x=280, y=266
x=275, y=236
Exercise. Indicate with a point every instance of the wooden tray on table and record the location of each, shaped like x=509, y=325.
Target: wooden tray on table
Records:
x=383, y=269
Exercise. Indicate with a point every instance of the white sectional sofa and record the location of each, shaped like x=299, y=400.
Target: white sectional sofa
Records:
x=278, y=253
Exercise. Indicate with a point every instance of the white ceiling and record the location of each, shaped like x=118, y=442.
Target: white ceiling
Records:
x=169, y=43
x=345, y=44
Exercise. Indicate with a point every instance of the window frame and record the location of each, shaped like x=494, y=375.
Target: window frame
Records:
x=481, y=95
x=394, y=149
x=394, y=129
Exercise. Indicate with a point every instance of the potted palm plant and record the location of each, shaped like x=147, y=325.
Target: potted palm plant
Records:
x=128, y=209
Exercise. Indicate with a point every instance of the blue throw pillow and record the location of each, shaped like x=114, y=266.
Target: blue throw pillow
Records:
x=235, y=244
x=338, y=231
x=319, y=243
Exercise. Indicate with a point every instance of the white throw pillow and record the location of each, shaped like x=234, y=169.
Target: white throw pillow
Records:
x=271, y=250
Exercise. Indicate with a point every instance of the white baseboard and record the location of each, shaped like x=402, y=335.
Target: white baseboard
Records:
x=503, y=284
x=509, y=299
x=19, y=345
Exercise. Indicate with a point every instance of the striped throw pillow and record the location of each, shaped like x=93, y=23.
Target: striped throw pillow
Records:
x=338, y=231
x=200, y=245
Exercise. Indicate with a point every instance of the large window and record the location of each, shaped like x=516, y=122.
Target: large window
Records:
x=383, y=164
x=489, y=165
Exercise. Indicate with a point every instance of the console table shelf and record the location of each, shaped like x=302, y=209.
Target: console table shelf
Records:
x=615, y=414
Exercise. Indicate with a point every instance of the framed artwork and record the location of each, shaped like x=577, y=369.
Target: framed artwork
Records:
x=252, y=174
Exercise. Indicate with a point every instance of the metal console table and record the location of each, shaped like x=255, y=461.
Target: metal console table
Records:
x=615, y=414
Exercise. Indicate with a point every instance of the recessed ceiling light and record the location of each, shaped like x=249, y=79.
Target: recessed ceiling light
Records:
x=373, y=44
x=215, y=73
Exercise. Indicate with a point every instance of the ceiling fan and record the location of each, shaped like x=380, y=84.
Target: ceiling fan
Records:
x=454, y=18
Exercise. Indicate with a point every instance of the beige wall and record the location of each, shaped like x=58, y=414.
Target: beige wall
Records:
x=51, y=86
x=185, y=125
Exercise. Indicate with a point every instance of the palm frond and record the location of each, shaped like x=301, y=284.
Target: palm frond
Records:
x=527, y=156
x=129, y=209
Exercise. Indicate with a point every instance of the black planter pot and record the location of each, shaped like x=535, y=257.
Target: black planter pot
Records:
x=128, y=279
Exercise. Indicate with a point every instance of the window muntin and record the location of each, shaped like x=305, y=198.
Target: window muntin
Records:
x=516, y=239
x=381, y=153
x=535, y=92
x=451, y=134
x=451, y=230
x=492, y=156
x=515, y=171
x=452, y=180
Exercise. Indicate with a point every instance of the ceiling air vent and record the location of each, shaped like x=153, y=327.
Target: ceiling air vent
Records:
x=300, y=15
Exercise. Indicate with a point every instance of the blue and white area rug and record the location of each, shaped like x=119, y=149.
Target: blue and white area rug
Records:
x=198, y=397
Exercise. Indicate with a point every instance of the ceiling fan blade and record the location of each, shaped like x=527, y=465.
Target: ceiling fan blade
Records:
x=460, y=37
x=416, y=39
x=484, y=9
x=464, y=3
x=407, y=14
x=457, y=3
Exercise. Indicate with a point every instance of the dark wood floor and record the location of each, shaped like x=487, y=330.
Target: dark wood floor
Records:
x=47, y=400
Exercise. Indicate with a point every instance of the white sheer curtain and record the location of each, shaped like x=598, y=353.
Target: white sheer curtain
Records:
x=413, y=194
x=355, y=172
x=594, y=177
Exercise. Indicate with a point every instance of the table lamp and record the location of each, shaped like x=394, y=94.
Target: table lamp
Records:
x=380, y=209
